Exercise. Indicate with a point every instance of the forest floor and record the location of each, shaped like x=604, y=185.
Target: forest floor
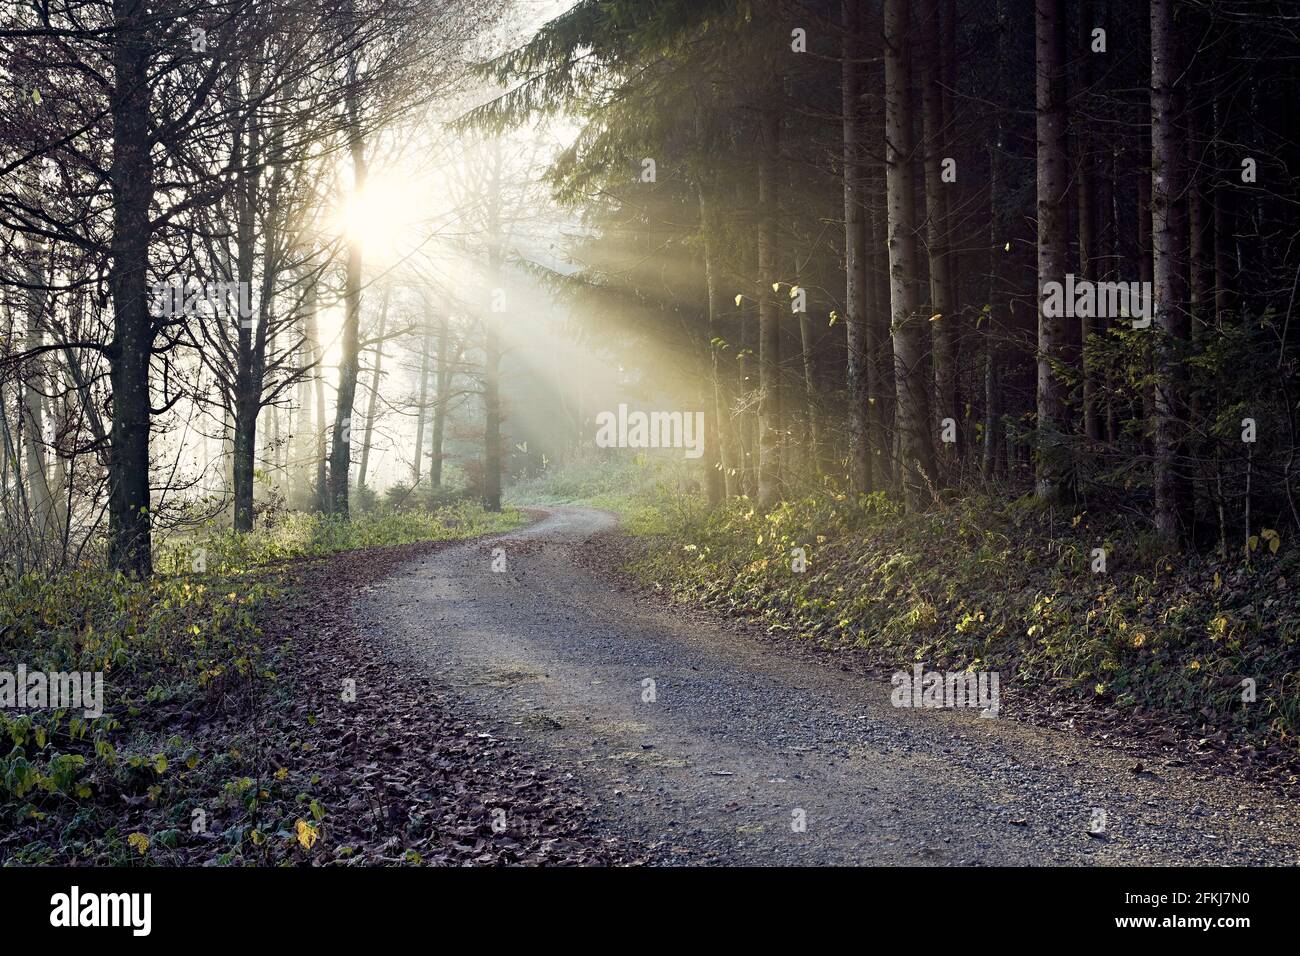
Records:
x=323, y=751
x=754, y=749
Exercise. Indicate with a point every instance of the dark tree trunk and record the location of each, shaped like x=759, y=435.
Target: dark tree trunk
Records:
x=942, y=293
x=859, y=355
x=718, y=461
x=1169, y=246
x=1086, y=204
x=769, y=312
x=1053, y=244
x=341, y=445
x=916, y=450
x=131, y=176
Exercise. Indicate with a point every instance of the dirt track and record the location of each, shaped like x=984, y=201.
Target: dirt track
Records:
x=742, y=739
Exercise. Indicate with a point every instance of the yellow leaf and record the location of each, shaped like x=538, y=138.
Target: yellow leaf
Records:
x=936, y=317
x=160, y=763
x=282, y=773
x=256, y=837
x=776, y=287
x=1252, y=542
x=1007, y=247
x=1194, y=666
x=1273, y=544
x=307, y=834
x=738, y=298
x=1218, y=581
x=139, y=842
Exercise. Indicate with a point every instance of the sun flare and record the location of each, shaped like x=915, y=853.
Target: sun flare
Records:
x=381, y=217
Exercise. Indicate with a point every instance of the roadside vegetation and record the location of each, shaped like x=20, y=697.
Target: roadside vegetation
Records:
x=188, y=657
x=991, y=583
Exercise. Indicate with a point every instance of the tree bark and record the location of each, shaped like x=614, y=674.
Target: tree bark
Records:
x=422, y=409
x=1169, y=245
x=373, y=405
x=916, y=452
x=769, y=313
x=492, y=350
x=1086, y=204
x=443, y=397
x=1053, y=244
x=130, y=547
x=859, y=356
x=341, y=446
x=38, y=488
x=942, y=294
x=718, y=480
x=999, y=237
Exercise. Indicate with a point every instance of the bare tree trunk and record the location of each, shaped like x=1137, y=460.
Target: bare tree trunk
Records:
x=916, y=451
x=423, y=406
x=304, y=429
x=341, y=447
x=38, y=489
x=373, y=405
x=1086, y=197
x=312, y=332
x=492, y=350
x=130, y=548
x=718, y=480
x=810, y=390
x=881, y=388
x=859, y=355
x=1169, y=244
x=942, y=293
x=769, y=312
x=445, y=373
x=248, y=360
x=1053, y=244
x=745, y=417
x=994, y=326
x=1224, y=220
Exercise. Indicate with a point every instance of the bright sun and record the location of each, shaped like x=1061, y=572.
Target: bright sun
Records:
x=380, y=217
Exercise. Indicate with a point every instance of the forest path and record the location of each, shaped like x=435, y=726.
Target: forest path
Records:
x=742, y=735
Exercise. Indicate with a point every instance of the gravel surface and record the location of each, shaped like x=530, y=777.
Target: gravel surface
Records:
x=743, y=741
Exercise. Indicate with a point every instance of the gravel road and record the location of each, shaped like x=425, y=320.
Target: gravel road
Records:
x=743, y=742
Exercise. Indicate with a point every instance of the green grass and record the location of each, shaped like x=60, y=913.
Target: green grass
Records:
x=642, y=490
x=295, y=535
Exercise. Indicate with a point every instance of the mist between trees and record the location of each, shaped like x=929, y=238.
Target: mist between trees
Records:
x=457, y=236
